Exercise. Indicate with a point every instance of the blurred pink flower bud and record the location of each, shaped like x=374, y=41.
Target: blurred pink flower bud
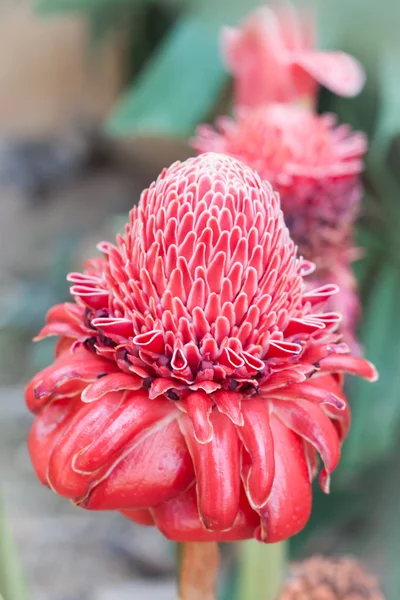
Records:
x=273, y=57
x=315, y=165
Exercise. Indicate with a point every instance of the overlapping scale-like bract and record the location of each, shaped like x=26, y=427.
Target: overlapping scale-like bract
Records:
x=196, y=378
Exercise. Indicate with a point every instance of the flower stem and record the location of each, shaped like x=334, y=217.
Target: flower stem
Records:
x=12, y=582
x=261, y=570
x=199, y=569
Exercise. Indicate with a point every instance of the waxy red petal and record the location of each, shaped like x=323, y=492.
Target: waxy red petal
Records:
x=149, y=471
x=217, y=468
x=199, y=406
x=48, y=427
x=96, y=436
x=80, y=366
x=63, y=319
x=58, y=328
x=312, y=391
x=337, y=363
x=114, y=382
x=340, y=418
x=289, y=505
x=129, y=416
x=230, y=404
x=141, y=516
x=258, y=463
x=310, y=422
x=178, y=519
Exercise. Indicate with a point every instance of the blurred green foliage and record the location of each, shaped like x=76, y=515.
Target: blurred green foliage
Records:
x=177, y=88
x=12, y=582
x=176, y=84
x=376, y=409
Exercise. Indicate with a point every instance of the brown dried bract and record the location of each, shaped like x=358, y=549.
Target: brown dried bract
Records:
x=333, y=578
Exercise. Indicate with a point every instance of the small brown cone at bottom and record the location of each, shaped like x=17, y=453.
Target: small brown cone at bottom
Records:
x=334, y=578
x=199, y=570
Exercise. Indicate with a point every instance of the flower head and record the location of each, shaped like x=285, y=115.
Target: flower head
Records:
x=331, y=578
x=273, y=58
x=184, y=392
x=315, y=166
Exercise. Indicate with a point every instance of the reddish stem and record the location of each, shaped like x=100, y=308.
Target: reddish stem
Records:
x=199, y=569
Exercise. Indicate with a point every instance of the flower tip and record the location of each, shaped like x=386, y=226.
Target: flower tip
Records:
x=230, y=405
x=335, y=401
x=239, y=422
x=198, y=406
x=339, y=72
x=373, y=372
x=341, y=348
x=325, y=481
x=217, y=519
x=40, y=391
x=261, y=533
x=228, y=41
x=103, y=246
x=355, y=76
x=45, y=332
x=307, y=267
x=257, y=504
x=203, y=436
x=86, y=397
x=366, y=369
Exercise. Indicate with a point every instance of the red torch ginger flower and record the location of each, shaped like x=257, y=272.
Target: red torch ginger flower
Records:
x=195, y=379
x=273, y=58
x=315, y=166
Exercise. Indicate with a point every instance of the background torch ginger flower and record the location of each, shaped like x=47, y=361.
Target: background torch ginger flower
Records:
x=273, y=58
x=315, y=166
x=195, y=378
x=331, y=578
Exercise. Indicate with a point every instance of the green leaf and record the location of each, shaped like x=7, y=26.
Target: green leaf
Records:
x=376, y=407
x=389, y=80
x=177, y=88
x=332, y=511
x=183, y=79
x=386, y=536
x=84, y=6
x=12, y=584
